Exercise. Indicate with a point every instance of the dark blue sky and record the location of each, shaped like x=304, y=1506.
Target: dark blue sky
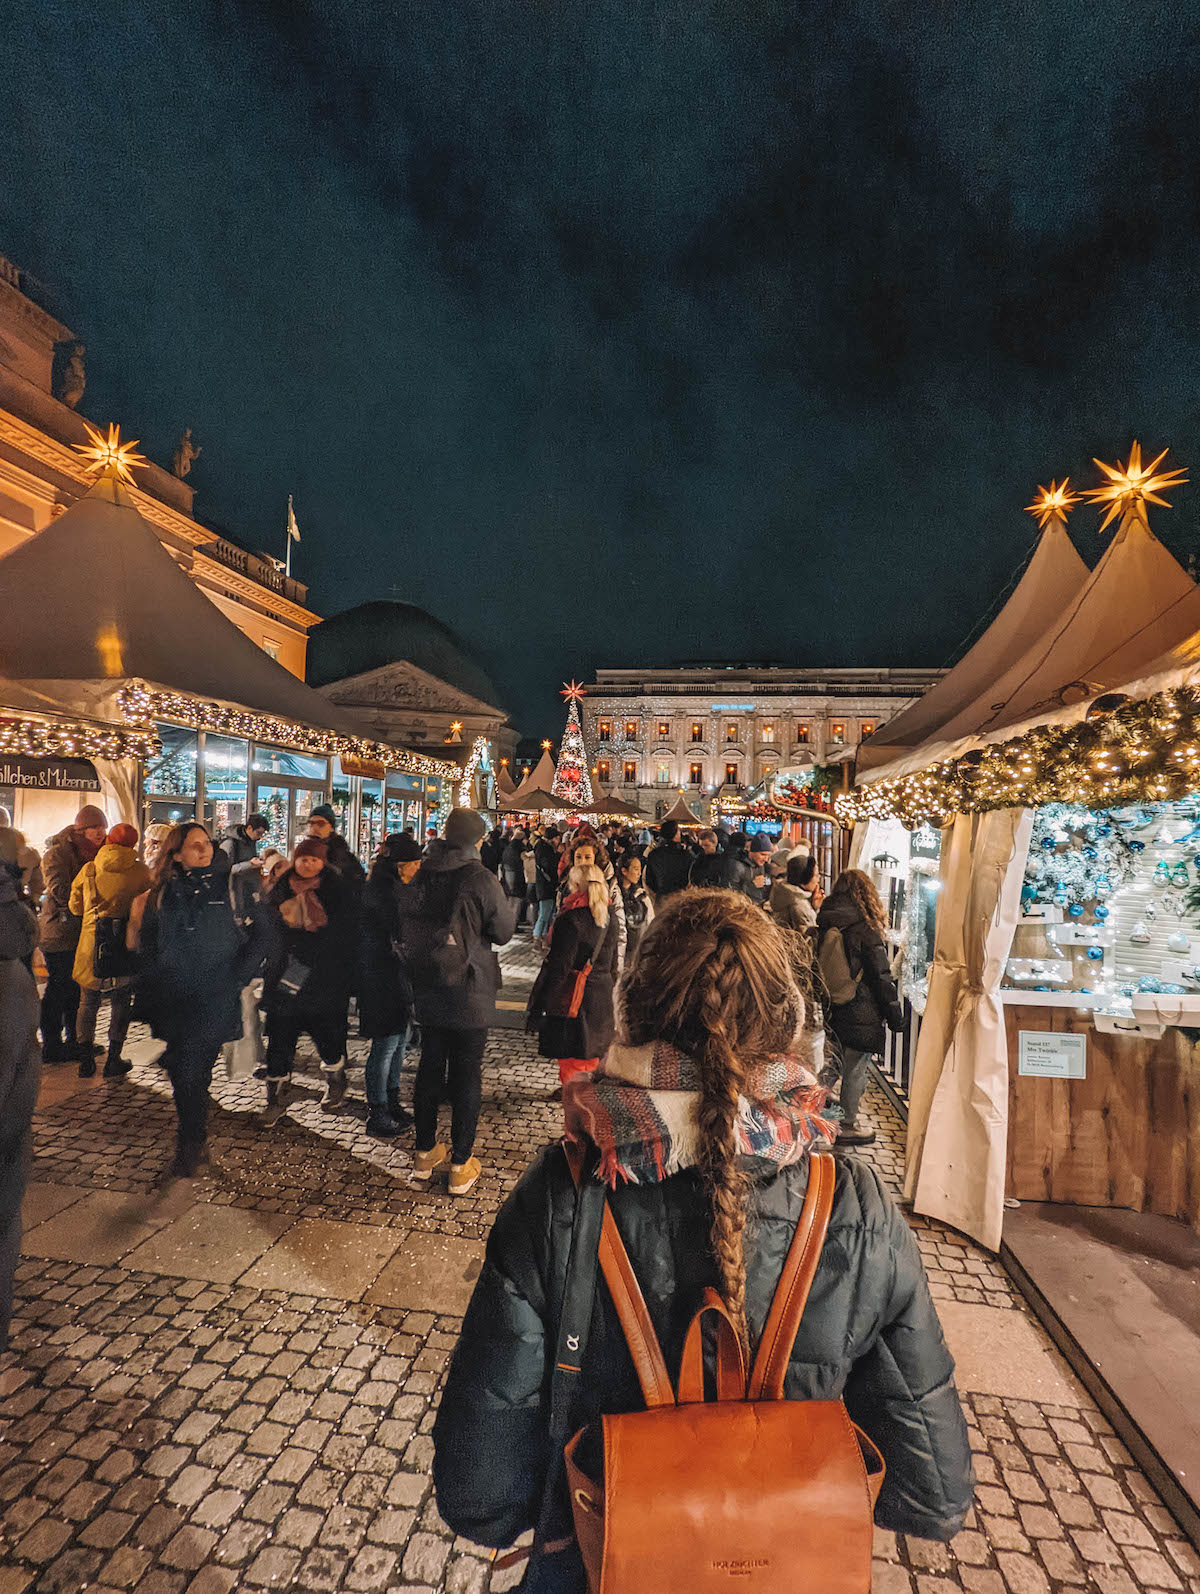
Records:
x=626, y=332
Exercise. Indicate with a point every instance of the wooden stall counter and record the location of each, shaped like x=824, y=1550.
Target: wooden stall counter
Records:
x=1125, y=1134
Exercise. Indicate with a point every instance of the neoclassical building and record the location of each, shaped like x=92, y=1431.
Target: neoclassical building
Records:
x=726, y=727
x=42, y=380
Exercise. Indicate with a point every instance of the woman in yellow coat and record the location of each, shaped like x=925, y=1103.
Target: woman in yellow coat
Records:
x=105, y=889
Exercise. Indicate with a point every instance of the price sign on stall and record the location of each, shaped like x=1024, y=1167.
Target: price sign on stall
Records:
x=1052, y=1056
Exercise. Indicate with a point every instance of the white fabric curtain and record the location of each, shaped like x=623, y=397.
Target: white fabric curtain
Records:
x=958, y=1103
x=119, y=786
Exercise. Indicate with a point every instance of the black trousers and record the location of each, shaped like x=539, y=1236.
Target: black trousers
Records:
x=189, y=1064
x=451, y=1063
x=60, y=1002
x=328, y=1031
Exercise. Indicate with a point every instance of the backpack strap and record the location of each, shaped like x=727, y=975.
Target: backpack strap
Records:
x=731, y=1363
x=791, y=1294
x=627, y=1297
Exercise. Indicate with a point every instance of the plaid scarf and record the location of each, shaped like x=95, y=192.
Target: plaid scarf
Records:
x=640, y=1108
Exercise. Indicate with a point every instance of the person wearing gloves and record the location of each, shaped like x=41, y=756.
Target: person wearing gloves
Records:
x=102, y=898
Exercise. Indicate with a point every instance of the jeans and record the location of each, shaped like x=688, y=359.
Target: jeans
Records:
x=328, y=1032
x=854, y=1082
x=384, y=1063
x=121, y=1000
x=450, y=1059
x=545, y=914
x=189, y=1065
x=60, y=1002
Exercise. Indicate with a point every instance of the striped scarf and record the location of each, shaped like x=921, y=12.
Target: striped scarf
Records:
x=640, y=1107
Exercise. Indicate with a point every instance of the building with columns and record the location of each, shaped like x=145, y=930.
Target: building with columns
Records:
x=42, y=379
x=716, y=728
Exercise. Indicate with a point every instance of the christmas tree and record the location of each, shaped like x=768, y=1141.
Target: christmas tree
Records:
x=571, y=776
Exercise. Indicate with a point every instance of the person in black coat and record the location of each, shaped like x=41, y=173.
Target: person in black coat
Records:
x=385, y=1000
x=512, y=871
x=639, y=909
x=585, y=933
x=720, y=871
x=492, y=850
x=545, y=885
x=851, y=922
x=307, y=987
x=664, y=1110
x=668, y=864
x=240, y=845
x=194, y=959
x=20, y=1065
x=321, y=826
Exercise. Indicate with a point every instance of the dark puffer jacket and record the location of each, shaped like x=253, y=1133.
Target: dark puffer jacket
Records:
x=870, y=1334
x=454, y=887
x=20, y=1071
x=722, y=871
x=860, y=1023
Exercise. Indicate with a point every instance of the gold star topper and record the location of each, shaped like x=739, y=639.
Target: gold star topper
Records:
x=104, y=454
x=1133, y=486
x=572, y=692
x=1053, y=503
x=546, y=747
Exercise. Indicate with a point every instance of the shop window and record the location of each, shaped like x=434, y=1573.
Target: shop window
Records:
x=631, y=730
x=282, y=761
x=226, y=768
x=768, y=733
x=664, y=730
x=604, y=770
x=837, y=731
x=172, y=772
x=604, y=730
x=370, y=822
x=802, y=735
x=697, y=731
x=731, y=774
x=662, y=775
x=695, y=774
x=629, y=773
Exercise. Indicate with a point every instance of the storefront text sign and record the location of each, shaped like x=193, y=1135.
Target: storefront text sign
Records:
x=49, y=774
x=1047, y=1056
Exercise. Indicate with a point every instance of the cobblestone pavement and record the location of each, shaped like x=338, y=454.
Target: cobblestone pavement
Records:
x=230, y=1386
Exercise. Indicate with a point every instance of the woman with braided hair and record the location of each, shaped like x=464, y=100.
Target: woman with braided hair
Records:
x=700, y=1119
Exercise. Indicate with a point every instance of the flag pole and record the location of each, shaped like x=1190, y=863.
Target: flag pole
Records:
x=288, y=538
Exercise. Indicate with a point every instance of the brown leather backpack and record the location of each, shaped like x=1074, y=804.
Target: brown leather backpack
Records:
x=750, y=1491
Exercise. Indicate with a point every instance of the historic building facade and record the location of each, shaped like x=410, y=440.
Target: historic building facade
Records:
x=42, y=380
x=714, y=728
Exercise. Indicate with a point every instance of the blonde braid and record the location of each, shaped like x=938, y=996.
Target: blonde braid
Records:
x=721, y=1078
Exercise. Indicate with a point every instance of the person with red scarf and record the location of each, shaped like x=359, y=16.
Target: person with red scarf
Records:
x=579, y=972
x=307, y=989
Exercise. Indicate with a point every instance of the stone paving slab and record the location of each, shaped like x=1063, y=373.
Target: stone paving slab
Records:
x=103, y=1228
x=1008, y=1354
x=317, y=1257
x=43, y=1200
x=214, y=1243
x=430, y=1272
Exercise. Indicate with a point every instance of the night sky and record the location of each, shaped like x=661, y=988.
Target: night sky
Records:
x=620, y=332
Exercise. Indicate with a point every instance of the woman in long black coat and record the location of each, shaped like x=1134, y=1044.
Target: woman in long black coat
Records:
x=385, y=993
x=584, y=933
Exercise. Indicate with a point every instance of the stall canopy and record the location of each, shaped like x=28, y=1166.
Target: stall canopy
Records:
x=95, y=601
x=541, y=778
x=504, y=785
x=1053, y=577
x=683, y=815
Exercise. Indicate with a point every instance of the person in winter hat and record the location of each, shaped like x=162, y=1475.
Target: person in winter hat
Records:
x=701, y=1114
x=20, y=1067
x=450, y=919
x=65, y=856
x=29, y=859
x=794, y=899
x=385, y=1001
x=314, y=922
x=322, y=826
x=105, y=889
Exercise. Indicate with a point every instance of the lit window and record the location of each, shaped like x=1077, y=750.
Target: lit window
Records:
x=768, y=733
x=697, y=731
x=695, y=774
x=602, y=770
x=802, y=734
x=837, y=731
x=731, y=731
x=868, y=728
x=629, y=772
x=663, y=775
x=731, y=774
x=630, y=730
x=271, y=649
x=664, y=729
x=604, y=730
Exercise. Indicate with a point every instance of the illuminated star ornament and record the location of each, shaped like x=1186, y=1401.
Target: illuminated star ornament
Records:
x=1053, y=503
x=109, y=454
x=546, y=745
x=1131, y=487
x=572, y=691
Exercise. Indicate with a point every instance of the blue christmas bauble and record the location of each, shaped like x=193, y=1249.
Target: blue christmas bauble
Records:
x=1095, y=953
x=1090, y=852
x=1075, y=910
x=1048, y=843
x=1100, y=912
x=1137, y=846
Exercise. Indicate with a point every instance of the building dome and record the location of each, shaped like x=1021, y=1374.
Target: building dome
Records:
x=377, y=634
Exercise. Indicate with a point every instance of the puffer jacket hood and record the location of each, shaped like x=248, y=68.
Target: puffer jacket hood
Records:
x=869, y=1334
x=441, y=855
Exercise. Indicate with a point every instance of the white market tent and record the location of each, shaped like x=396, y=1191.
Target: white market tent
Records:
x=504, y=784
x=683, y=815
x=1053, y=577
x=541, y=778
x=1134, y=625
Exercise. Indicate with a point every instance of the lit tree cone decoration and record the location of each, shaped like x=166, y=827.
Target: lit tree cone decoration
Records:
x=571, y=780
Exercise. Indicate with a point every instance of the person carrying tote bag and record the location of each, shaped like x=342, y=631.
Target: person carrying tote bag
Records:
x=571, y=1004
x=703, y=1112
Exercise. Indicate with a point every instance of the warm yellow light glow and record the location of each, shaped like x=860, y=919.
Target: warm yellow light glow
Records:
x=572, y=691
x=108, y=645
x=104, y=454
x=546, y=747
x=456, y=725
x=1133, y=486
x=1052, y=503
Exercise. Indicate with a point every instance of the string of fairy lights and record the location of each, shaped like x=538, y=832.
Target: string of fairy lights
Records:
x=1123, y=751
x=25, y=738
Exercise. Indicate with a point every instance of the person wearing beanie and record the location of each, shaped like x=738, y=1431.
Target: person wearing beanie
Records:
x=102, y=899
x=451, y=918
x=314, y=920
x=385, y=990
x=321, y=825
x=19, y=1066
x=65, y=857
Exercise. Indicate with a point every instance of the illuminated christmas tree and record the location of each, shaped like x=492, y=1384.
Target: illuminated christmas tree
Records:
x=571, y=776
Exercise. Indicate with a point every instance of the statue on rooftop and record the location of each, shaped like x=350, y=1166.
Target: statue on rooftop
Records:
x=71, y=378
x=185, y=452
